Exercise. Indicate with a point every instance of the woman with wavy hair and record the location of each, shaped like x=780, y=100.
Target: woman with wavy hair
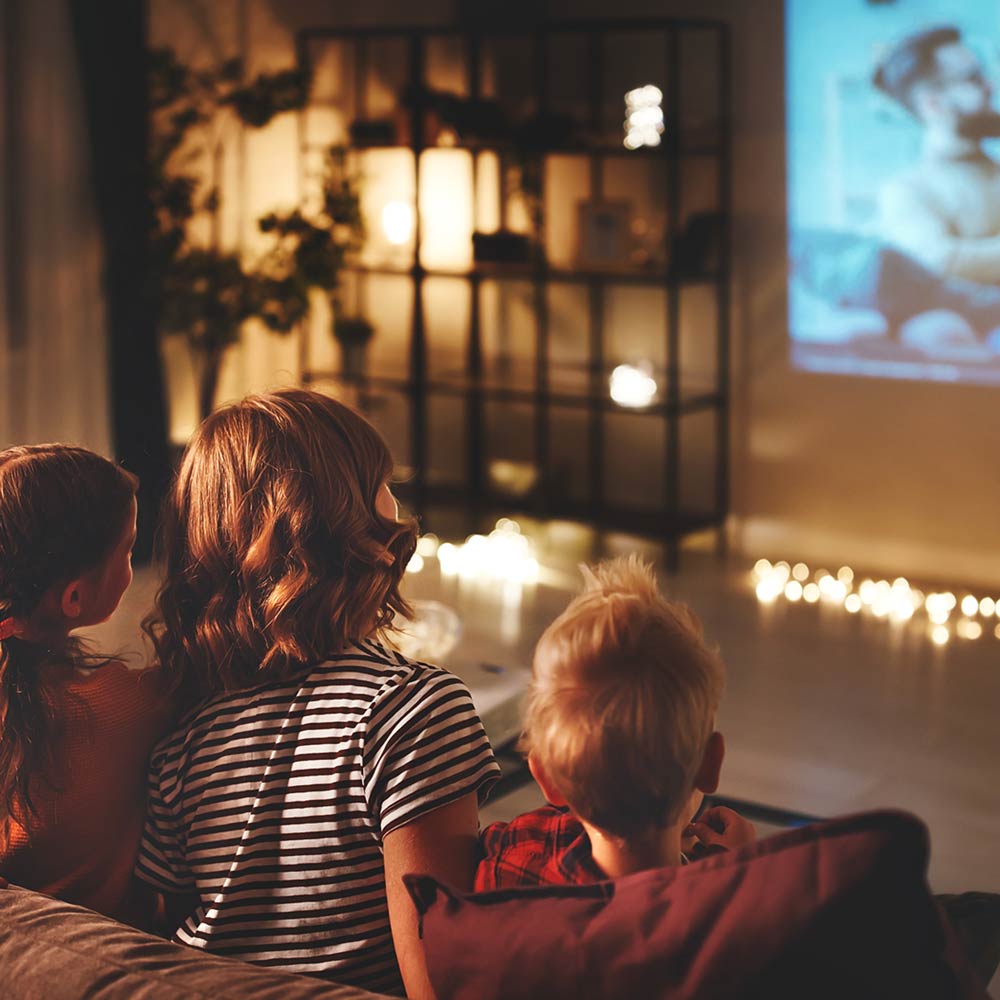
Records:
x=76, y=729
x=314, y=766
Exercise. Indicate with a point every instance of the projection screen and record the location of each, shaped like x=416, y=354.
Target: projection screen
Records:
x=894, y=188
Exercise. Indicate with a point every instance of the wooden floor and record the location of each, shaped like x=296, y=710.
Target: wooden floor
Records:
x=825, y=713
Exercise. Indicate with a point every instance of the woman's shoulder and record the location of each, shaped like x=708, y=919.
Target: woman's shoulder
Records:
x=358, y=682
x=387, y=668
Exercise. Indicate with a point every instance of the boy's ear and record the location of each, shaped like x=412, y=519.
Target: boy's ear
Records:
x=70, y=603
x=549, y=790
x=707, y=778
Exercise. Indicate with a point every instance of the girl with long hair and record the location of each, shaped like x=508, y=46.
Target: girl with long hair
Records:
x=315, y=765
x=75, y=729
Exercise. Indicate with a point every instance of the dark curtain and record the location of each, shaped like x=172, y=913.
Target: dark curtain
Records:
x=110, y=41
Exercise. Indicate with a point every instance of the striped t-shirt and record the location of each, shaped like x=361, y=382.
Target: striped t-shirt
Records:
x=271, y=804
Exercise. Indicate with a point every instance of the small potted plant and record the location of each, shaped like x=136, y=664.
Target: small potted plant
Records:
x=353, y=334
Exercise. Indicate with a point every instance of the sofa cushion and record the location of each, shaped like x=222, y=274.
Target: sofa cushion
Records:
x=59, y=951
x=834, y=910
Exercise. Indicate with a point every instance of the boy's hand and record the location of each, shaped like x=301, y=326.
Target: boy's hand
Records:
x=722, y=827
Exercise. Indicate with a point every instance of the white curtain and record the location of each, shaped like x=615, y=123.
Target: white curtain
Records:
x=53, y=342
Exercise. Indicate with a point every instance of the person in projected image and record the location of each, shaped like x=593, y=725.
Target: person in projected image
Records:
x=944, y=211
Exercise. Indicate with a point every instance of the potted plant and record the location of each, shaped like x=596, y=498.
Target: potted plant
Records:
x=203, y=290
x=307, y=256
x=353, y=334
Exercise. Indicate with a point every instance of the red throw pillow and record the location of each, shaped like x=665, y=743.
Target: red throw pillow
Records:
x=836, y=911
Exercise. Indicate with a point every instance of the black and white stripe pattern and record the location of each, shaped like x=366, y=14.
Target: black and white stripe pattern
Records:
x=272, y=803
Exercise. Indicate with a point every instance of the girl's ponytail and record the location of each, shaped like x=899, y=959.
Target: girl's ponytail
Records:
x=26, y=727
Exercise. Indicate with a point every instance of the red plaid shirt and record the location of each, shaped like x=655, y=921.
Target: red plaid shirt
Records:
x=548, y=846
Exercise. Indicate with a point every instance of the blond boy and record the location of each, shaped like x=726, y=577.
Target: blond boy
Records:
x=620, y=736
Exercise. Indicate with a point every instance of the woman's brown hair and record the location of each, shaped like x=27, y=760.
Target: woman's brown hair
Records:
x=62, y=511
x=275, y=555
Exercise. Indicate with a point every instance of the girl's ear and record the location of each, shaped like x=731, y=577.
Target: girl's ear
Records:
x=552, y=794
x=70, y=603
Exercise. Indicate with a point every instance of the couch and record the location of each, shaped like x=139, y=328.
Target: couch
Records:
x=51, y=950
x=835, y=911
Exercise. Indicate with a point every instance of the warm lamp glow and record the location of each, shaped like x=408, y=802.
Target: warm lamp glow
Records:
x=643, y=117
x=397, y=222
x=633, y=386
x=446, y=209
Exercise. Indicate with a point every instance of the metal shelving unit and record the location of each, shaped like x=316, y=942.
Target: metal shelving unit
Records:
x=542, y=384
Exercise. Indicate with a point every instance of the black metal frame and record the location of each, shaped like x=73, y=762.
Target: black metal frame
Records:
x=670, y=523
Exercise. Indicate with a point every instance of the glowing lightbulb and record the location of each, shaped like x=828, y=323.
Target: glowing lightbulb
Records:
x=793, y=590
x=968, y=629
x=643, y=117
x=633, y=386
x=810, y=593
x=852, y=603
x=969, y=605
x=427, y=545
x=987, y=607
x=397, y=222
x=939, y=635
x=416, y=563
x=800, y=571
x=449, y=557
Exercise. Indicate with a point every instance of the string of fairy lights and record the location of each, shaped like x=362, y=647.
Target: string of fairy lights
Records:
x=505, y=555
x=944, y=614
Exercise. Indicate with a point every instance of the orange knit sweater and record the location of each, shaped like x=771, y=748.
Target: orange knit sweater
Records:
x=82, y=846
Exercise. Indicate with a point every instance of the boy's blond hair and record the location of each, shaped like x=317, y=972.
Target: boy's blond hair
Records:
x=623, y=700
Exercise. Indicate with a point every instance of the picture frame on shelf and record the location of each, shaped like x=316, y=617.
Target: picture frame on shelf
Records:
x=604, y=234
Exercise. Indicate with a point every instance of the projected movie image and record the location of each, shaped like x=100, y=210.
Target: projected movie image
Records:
x=894, y=188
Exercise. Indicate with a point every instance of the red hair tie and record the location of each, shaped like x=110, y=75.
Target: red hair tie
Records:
x=9, y=627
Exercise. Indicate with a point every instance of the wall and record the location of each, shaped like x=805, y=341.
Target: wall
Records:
x=892, y=476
